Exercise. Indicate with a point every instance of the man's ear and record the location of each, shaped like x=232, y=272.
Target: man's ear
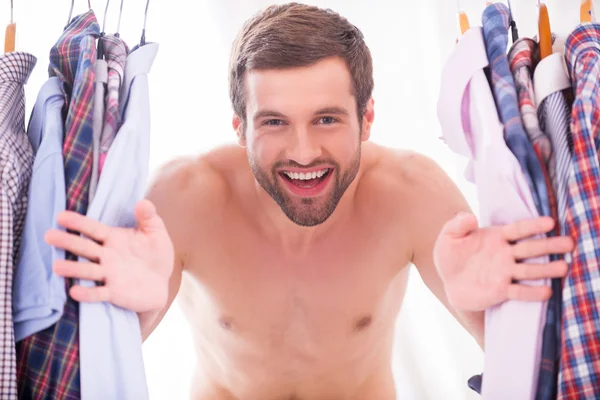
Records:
x=239, y=128
x=367, y=120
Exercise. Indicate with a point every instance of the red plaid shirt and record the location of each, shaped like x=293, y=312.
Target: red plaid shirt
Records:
x=579, y=376
x=48, y=361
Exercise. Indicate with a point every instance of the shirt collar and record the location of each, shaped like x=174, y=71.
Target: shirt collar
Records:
x=469, y=57
x=139, y=62
x=65, y=55
x=115, y=53
x=16, y=67
x=496, y=22
x=584, y=39
x=524, y=53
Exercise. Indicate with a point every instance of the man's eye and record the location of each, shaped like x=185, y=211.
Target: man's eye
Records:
x=274, y=122
x=327, y=120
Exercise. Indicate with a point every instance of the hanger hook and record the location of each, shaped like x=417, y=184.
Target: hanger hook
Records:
x=143, y=40
x=11, y=12
x=120, y=14
x=89, y=4
x=513, y=23
x=105, y=14
x=71, y=12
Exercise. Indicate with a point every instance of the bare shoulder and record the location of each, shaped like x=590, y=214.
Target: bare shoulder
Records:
x=188, y=190
x=405, y=175
x=181, y=181
x=413, y=190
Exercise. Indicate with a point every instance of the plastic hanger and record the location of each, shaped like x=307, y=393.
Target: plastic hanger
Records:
x=463, y=20
x=586, y=11
x=11, y=32
x=544, y=31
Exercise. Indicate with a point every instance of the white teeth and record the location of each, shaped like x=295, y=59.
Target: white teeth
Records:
x=306, y=176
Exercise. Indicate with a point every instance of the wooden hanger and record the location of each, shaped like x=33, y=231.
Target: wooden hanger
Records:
x=586, y=11
x=11, y=32
x=544, y=31
x=463, y=20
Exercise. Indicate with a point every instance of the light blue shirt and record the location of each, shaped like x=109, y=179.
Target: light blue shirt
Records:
x=110, y=339
x=38, y=294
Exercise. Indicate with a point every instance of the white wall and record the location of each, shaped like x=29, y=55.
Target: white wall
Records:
x=191, y=113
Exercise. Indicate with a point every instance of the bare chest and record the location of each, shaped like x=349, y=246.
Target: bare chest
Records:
x=304, y=324
x=340, y=291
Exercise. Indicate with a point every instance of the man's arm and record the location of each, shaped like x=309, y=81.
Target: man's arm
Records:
x=435, y=200
x=183, y=192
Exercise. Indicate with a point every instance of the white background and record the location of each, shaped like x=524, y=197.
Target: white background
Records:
x=191, y=113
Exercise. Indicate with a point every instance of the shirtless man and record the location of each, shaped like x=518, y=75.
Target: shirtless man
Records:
x=291, y=251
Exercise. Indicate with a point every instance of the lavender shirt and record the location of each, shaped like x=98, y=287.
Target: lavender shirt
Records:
x=471, y=128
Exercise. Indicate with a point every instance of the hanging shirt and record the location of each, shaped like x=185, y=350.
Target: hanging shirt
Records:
x=523, y=57
x=579, y=376
x=550, y=79
x=495, y=32
x=470, y=125
x=110, y=337
x=16, y=159
x=98, y=122
x=39, y=294
x=49, y=360
x=116, y=55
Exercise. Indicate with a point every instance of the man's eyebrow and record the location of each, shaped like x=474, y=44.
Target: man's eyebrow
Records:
x=332, y=110
x=267, y=114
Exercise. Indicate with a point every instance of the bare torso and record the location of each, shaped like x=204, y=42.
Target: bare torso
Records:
x=272, y=323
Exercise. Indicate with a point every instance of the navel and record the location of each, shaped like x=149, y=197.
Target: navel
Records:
x=363, y=323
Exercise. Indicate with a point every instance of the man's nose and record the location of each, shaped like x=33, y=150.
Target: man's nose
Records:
x=304, y=147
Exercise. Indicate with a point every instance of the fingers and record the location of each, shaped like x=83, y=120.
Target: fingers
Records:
x=527, y=228
x=540, y=247
x=146, y=216
x=79, y=270
x=87, y=226
x=529, y=293
x=74, y=244
x=461, y=225
x=555, y=269
x=90, y=295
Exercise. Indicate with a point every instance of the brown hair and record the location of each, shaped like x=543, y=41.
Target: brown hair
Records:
x=297, y=35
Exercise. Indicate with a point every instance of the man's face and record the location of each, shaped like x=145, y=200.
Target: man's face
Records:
x=303, y=137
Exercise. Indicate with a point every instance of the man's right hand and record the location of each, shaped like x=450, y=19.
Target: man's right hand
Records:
x=134, y=264
x=481, y=267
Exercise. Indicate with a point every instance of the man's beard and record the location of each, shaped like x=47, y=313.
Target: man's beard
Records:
x=311, y=212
